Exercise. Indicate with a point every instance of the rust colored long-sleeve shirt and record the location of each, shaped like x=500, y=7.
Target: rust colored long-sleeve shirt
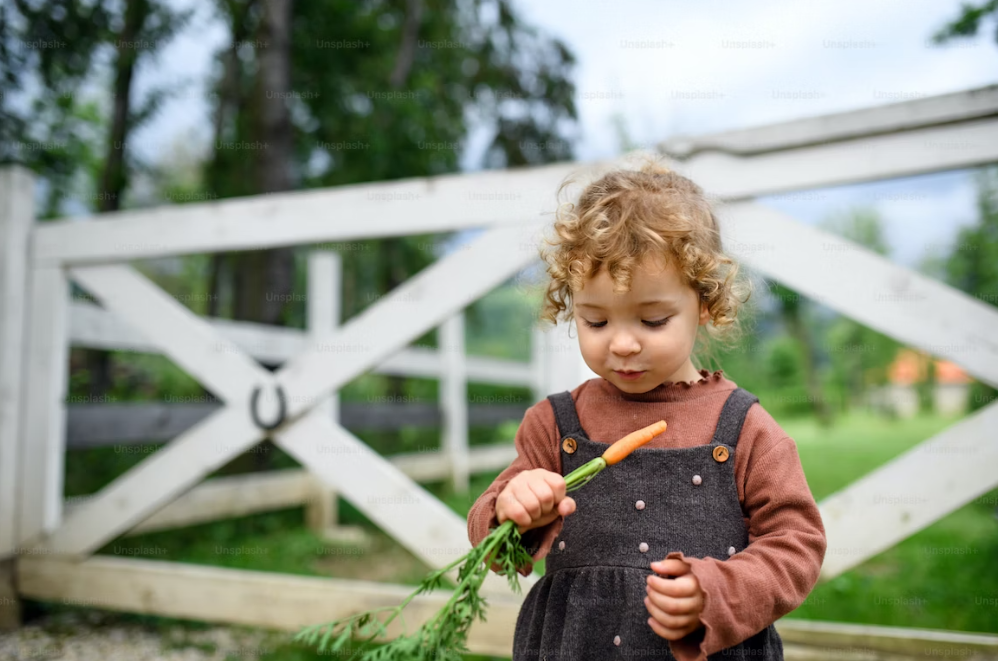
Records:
x=742, y=594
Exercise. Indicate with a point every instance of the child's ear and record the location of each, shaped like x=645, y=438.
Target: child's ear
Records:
x=704, y=313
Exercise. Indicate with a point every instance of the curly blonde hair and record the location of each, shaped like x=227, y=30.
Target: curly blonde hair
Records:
x=627, y=214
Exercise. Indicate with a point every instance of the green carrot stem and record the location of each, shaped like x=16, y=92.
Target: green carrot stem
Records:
x=584, y=473
x=491, y=546
x=573, y=480
x=439, y=572
x=497, y=535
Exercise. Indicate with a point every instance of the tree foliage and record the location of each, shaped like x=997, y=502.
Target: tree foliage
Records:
x=60, y=60
x=968, y=22
x=972, y=263
x=388, y=90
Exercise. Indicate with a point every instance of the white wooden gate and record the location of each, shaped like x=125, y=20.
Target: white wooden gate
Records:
x=416, y=518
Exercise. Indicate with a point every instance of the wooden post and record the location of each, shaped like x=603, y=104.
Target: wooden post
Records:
x=322, y=308
x=16, y=216
x=45, y=380
x=454, y=400
x=10, y=602
x=538, y=363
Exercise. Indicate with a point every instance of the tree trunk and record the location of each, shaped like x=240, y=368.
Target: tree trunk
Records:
x=214, y=285
x=263, y=279
x=113, y=176
x=113, y=180
x=275, y=79
x=798, y=329
x=791, y=308
x=926, y=388
x=228, y=102
x=393, y=269
x=392, y=250
x=407, y=49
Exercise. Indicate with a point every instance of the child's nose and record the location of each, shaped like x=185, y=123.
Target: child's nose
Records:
x=624, y=343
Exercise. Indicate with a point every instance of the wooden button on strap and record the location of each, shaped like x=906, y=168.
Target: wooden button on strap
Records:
x=568, y=445
x=720, y=454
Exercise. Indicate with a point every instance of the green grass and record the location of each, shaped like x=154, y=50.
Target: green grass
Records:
x=834, y=457
x=944, y=577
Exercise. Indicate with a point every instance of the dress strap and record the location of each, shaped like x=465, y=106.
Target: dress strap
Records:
x=566, y=415
x=729, y=425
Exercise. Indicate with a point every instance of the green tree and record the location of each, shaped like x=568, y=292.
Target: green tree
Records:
x=968, y=22
x=791, y=307
x=47, y=53
x=381, y=92
x=971, y=272
x=858, y=355
x=52, y=50
x=972, y=263
x=862, y=225
x=138, y=31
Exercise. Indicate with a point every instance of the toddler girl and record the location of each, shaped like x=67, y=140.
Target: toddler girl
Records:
x=693, y=545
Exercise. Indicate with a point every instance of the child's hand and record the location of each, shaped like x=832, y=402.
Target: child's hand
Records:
x=674, y=604
x=534, y=498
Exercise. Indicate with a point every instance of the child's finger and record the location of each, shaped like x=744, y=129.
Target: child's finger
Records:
x=513, y=510
x=674, y=606
x=529, y=501
x=667, y=620
x=557, y=483
x=688, y=585
x=679, y=587
x=670, y=567
x=668, y=634
x=544, y=494
x=566, y=506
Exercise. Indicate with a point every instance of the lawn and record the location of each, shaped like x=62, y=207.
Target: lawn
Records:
x=944, y=577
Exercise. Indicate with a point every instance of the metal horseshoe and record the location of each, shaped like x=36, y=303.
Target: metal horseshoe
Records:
x=281, y=409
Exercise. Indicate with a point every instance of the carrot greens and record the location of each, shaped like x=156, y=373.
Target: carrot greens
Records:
x=444, y=636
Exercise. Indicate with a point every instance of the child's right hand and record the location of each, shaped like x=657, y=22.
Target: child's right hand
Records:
x=534, y=498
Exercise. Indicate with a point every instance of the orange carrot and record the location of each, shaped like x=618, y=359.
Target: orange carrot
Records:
x=632, y=441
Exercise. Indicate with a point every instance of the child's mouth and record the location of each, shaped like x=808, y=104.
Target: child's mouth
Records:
x=630, y=376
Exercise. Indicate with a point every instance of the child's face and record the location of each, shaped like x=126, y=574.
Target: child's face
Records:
x=629, y=335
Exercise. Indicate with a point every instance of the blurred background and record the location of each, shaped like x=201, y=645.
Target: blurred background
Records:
x=144, y=103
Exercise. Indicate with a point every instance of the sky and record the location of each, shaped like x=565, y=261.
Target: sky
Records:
x=666, y=67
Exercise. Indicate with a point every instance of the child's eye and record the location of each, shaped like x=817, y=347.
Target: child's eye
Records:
x=652, y=324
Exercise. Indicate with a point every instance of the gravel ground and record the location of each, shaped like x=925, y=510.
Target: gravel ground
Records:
x=96, y=636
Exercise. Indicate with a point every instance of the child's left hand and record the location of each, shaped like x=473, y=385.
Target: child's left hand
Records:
x=674, y=604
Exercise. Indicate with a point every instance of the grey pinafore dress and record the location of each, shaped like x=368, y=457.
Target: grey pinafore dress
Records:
x=589, y=605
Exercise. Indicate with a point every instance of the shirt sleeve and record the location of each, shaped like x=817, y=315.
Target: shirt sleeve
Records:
x=536, y=447
x=777, y=570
